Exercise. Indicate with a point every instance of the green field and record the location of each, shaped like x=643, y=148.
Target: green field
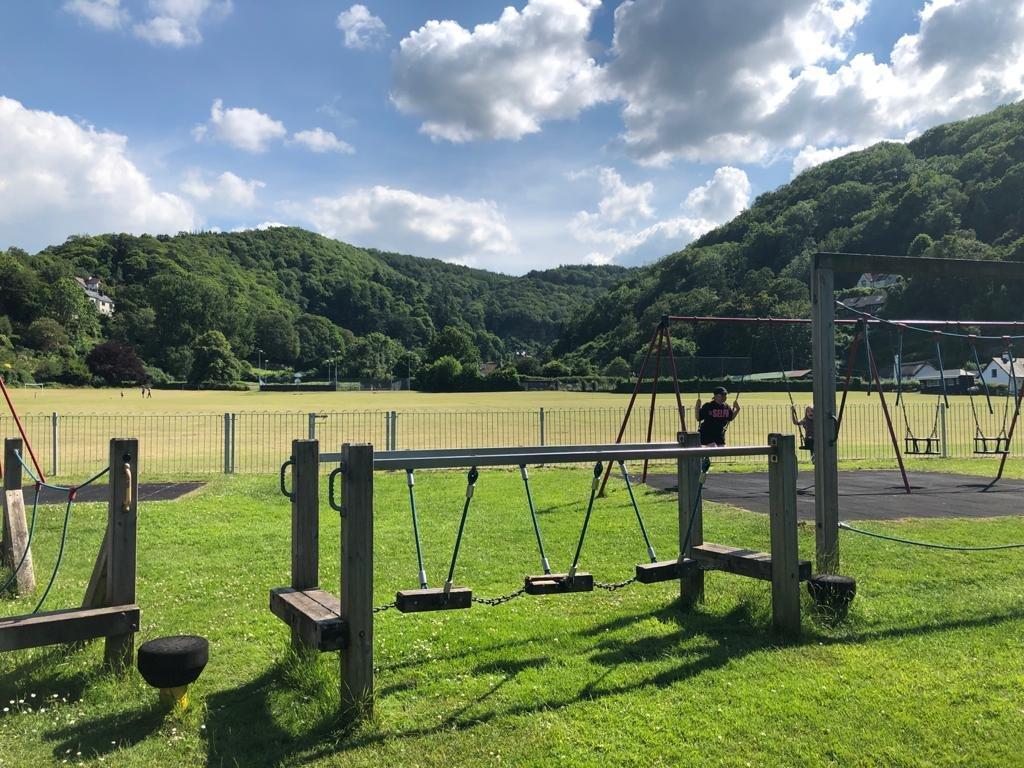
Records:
x=928, y=669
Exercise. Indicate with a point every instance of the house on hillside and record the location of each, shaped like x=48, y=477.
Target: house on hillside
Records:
x=870, y=304
x=958, y=381
x=486, y=369
x=877, y=281
x=910, y=371
x=998, y=373
x=94, y=293
x=801, y=374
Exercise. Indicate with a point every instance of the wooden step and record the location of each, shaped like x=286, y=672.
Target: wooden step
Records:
x=433, y=599
x=663, y=570
x=559, y=583
x=744, y=562
x=67, y=626
x=314, y=614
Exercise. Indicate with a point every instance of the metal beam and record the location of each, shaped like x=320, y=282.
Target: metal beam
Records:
x=974, y=269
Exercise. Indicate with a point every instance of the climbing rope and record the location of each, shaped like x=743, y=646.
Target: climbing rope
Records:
x=848, y=527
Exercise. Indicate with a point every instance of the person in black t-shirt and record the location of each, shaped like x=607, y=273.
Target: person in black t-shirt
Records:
x=714, y=417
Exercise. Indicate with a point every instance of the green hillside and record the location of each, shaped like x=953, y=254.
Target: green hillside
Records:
x=955, y=192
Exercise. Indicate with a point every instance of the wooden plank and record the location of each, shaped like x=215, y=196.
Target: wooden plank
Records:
x=357, y=578
x=559, y=583
x=96, y=590
x=417, y=600
x=12, y=482
x=122, y=516
x=826, y=467
x=691, y=580
x=14, y=521
x=743, y=562
x=305, y=514
x=785, y=558
x=69, y=626
x=314, y=616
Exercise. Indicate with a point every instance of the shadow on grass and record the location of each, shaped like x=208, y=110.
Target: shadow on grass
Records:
x=99, y=737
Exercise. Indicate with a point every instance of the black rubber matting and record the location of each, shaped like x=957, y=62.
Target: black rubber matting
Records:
x=870, y=495
x=97, y=492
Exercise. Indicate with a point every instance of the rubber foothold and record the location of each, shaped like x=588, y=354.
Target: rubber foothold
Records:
x=172, y=662
x=832, y=593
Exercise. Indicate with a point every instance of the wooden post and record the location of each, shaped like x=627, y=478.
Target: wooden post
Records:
x=826, y=467
x=305, y=520
x=357, y=578
x=16, y=543
x=691, y=580
x=782, y=521
x=122, y=515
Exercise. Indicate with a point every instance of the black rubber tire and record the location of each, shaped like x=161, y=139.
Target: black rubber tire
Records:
x=170, y=662
x=832, y=592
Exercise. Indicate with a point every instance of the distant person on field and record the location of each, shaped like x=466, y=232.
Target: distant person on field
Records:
x=807, y=425
x=714, y=417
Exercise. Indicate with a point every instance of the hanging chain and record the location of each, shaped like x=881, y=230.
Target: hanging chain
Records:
x=612, y=587
x=492, y=601
x=385, y=607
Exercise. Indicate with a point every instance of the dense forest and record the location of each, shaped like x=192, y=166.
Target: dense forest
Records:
x=205, y=307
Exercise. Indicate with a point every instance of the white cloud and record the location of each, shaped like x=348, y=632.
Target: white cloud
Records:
x=226, y=190
x=713, y=203
x=103, y=14
x=61, y=178
x=319, y=140
x=810, y=156
x=780, y=77
x=449, y=228
x=362, y=29
x=176, y=22
x=241, y=127
x=500, y=80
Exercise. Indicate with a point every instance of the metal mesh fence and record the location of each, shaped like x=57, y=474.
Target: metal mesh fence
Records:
x=255, y=442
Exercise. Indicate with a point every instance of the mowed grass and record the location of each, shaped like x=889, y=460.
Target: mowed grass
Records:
x=928, y=670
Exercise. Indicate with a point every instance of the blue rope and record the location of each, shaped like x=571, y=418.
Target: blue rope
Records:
x=60, y=553
x=28, y=544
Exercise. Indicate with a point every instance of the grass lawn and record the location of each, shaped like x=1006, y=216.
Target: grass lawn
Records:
x=928, y=670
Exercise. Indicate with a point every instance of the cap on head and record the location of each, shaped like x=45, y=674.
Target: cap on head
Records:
x=720, y=391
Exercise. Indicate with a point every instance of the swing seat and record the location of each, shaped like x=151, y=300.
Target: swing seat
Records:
x=663, y=570
x=558, y=583
x=928, y=446
x=434, y=599
x=991, y=445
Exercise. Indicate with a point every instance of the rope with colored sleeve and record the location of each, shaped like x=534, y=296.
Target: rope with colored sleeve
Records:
x=848, y=527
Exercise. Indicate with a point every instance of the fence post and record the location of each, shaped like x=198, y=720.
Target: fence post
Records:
x=234, y=416
x=394, y=430
x=311, y=429
x=542, y=425
x=122, y=514
x=227, y=443
x=691, y=581
x=357, y=577
x=942, y=430
x=782, y=524
x=15, y=540
x=54, y=444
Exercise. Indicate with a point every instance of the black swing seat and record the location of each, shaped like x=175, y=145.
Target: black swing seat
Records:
x=991, y=445
x=921, y=445
x=664, y=570
x=314, y=614
x=433, y=599
x=559, y=583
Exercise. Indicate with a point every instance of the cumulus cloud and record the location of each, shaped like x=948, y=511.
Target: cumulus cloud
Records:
x=176, y=22
x=779, y=75
x=102, y=14
x=319, y=140
x=810, y=156
x=61, y=178
x=449, y=228
x=226, y=190
x=361, y=28
x=241, y=127
x=500, y=80
x=713, y=203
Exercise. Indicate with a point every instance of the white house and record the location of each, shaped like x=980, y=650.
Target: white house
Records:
x=94, y=293
x=877, y=280
x=997, y=373
x=957, y=380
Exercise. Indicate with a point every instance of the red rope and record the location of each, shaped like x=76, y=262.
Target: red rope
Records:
x=21, y=430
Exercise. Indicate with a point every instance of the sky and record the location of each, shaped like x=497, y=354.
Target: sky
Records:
x=505, y=136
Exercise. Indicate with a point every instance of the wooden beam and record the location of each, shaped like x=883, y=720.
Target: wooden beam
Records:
x=691, y=580
x=743, y=562
x=122, y=516
x=785, y=557
x=826, y=467
x=70, y=626
x=12, y=482
x=357, y=578
x=14, y=521
x=314, y=616
x=305, y=521
x=974, y=269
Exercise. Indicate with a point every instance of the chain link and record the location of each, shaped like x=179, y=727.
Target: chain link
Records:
x=614, y=586
x=492, y=601
x=385, y=607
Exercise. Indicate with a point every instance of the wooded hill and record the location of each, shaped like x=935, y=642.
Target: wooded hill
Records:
x=955, y=192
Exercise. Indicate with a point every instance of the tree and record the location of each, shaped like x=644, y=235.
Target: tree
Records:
x=618, y=368
x=441, y=375
x=555, y=369
x=374, y=356
x=528, y=366
x=115, y=363
x=319, y=340
x=455, y=342
x=276, y=336
x=214, y=362
x=46, y=335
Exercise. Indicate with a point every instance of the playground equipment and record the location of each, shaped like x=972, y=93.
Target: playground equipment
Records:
x=109, y=608
x=172, y=664
x=320, y=621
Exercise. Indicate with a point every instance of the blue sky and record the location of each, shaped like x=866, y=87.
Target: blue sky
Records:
x=505, y=136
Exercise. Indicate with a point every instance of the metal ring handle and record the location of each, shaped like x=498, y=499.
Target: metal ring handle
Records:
x=330, y=489
x=835, y=434
x=285, y=491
